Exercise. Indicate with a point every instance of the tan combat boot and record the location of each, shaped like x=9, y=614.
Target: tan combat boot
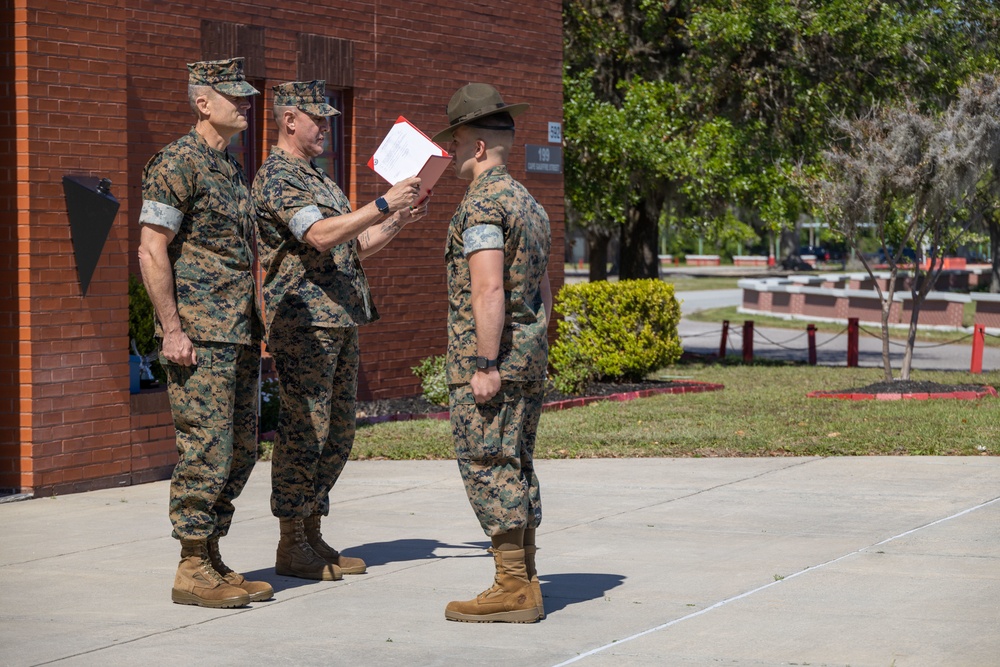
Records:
x=257, y=590
x=347, y=564
x=509, y=600
x=536, y=586
x=295, y=558
x=196, y=582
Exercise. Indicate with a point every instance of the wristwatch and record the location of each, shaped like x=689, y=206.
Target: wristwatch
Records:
x=482, y=363
x=382, y=205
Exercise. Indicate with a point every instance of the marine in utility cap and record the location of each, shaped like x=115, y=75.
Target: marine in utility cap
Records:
x=316, y=295
x=196, y=255
x=306, y=96
x=224, y=76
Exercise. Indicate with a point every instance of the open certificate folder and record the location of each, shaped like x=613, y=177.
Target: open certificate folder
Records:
x=405, y=152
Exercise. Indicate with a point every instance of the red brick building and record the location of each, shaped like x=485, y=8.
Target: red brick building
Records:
x=94, y=87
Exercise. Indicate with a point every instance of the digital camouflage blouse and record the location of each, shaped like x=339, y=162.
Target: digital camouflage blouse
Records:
x=202, y=196
x=303, y=286
x=498, y=212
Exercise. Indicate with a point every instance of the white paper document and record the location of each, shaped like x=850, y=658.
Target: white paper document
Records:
x=406, y=152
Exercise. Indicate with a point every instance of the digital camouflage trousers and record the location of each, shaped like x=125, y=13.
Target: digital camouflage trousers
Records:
x=495, y=445
x=318, y=381
x=214, y=406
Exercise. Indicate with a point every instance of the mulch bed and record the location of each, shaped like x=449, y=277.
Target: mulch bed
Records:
x=908, y=390
x=417, y=407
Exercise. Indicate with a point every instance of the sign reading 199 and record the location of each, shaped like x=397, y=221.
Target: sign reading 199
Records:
x=543, y=159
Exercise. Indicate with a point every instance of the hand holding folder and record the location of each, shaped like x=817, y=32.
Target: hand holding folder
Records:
x=406, y=152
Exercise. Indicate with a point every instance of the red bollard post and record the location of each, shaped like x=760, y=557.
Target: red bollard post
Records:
x=978, y=343
x=852, y=342
x=748, y=342
x=725, y=339
x=811, y=330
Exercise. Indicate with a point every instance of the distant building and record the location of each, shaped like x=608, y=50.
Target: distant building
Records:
x=93, y=88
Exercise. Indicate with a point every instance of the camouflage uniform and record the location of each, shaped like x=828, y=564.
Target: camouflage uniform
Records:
x=495, y=441
x=314, y=302
x=201, y=195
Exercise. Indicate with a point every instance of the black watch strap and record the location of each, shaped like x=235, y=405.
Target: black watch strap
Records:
x=482, y=363
x=382, y=205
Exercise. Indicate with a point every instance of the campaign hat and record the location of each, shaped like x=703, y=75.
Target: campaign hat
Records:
x=471, y=104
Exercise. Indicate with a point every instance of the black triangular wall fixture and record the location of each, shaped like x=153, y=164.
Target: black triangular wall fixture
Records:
x=92, y=210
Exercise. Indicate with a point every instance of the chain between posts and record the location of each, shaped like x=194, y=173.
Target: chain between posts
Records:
x=747, y=333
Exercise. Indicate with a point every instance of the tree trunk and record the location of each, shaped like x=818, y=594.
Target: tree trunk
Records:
x=597, y=246
x=640, y=242
x=885, y=299
x=789, y=244
x=918, y=293
x=886, y=310
x=994, y=226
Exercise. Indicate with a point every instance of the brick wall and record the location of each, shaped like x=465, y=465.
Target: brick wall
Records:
x=101, y=85
x=9, y=362
x=73, y=366
x=154, y=452
x=409, y=61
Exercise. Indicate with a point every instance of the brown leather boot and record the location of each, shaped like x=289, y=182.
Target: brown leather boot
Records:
x=257, y=590
x=536, y=586
x=347, y=564
x=295, y=558
x=509, y=600
x=196, y=582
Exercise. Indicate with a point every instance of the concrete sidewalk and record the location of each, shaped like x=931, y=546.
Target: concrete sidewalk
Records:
x=761, y=561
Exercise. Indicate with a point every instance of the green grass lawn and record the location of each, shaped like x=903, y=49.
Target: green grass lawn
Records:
x=763, y=411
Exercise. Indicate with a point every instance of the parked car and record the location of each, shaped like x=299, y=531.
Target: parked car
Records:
x=796, y=263
x=820, y=253
x=972, y=255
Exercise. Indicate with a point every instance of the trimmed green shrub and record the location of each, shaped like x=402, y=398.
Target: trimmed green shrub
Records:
x=433, y=379
x=141, y=325
x=614, y=332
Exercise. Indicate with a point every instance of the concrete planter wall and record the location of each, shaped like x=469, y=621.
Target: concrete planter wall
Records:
x=702, y=260
x=750, y=260
x=837, y=298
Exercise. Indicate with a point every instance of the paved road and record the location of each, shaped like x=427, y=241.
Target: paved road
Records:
x=831, y=349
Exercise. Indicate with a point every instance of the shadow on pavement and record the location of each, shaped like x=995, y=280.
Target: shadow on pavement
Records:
x=561, y=590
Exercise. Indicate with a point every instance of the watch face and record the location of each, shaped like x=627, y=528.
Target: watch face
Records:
x=481, y=363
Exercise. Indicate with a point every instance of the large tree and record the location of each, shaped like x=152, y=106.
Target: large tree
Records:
x=612, y=179
x=686, y=112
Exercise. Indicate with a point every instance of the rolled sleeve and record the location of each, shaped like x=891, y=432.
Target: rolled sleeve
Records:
x=161, y=215
x=482, y=237
x=303, y=220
